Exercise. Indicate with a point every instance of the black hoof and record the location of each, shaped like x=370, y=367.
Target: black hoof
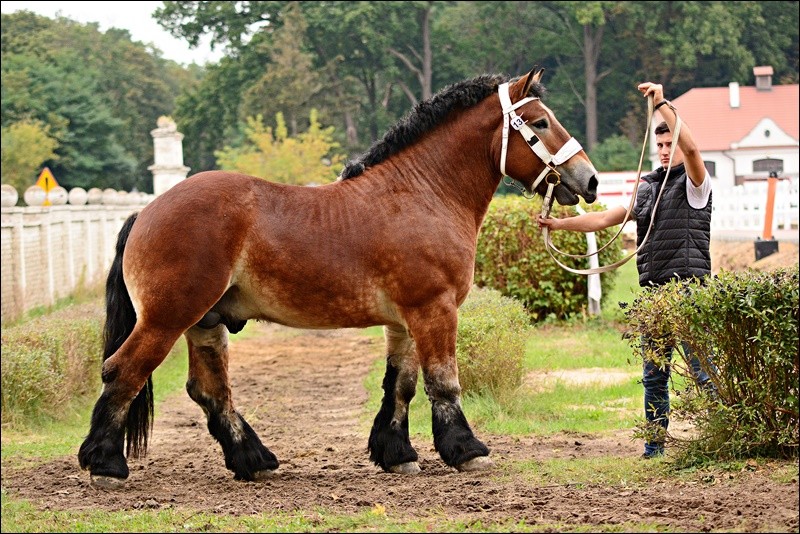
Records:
x=454, y=439
x=389, y=448
x=252, y=464
x=245, y=455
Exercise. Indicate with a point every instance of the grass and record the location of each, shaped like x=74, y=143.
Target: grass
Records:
x=82, y=293
x=625, y=289
x=19, y=516
x=55, y=438
x=581, y=472
x=561, y=407
x=564, y=347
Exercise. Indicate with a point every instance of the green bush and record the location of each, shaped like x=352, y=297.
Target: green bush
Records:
x=492, y=332
x=512, y=258
x=743, y=326
x=50, y=361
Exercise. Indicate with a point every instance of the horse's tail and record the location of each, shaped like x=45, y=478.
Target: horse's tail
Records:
x=120, y=320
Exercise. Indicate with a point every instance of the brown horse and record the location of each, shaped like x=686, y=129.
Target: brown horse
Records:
x=391, y=243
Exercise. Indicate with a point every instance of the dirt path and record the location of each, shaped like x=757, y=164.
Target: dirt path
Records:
x=302, y=392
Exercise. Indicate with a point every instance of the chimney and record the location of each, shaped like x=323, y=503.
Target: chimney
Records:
x=763, y=76
x=733, y=90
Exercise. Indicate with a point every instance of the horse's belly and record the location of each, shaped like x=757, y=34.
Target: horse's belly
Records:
x=307, y=306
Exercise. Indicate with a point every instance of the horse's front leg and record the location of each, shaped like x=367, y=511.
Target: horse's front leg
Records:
x=434, y=331
x=209, y=386
x=389, y=443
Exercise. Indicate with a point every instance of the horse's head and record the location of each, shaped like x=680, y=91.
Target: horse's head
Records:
x=537, y=149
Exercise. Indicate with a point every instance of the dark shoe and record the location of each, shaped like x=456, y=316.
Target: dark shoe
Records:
x=651, y=455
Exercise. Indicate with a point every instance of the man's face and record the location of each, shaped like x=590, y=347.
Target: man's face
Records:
x=664, y=145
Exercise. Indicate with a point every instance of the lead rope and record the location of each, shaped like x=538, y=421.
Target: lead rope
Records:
x=548, y=198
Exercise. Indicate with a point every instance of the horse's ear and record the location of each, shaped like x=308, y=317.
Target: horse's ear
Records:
x=534, y=76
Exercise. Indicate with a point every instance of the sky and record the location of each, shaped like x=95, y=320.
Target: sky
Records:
x=136, y=17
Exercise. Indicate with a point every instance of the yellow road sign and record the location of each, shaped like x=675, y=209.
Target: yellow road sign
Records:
x=47, y=182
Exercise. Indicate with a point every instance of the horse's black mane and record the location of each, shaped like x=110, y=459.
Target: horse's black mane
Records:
x=426, y=115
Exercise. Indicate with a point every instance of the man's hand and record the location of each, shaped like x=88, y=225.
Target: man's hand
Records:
x=655, y=89
x=549, y=222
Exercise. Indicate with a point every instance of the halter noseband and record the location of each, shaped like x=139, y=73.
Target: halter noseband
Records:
x=570, y=148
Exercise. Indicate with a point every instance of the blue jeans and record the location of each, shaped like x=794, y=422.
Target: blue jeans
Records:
x=656, y=388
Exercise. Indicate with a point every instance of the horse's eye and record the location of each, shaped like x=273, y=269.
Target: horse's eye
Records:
x=541, y=124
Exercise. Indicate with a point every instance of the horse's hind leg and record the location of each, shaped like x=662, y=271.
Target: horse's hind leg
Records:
x=209, y=386
x=434, y=330
x=389, y=443
x=125, y=375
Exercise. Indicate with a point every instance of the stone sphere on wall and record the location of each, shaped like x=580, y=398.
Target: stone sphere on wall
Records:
x=94, y=196
x=10, y=196
x=58, y=196
x=35, y=196
x=78, y=196
x=109, y=196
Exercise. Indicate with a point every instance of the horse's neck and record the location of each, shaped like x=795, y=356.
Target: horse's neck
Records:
x=452, y=169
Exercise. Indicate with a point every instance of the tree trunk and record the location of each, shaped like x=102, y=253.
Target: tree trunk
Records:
x=427, y=54
x=420, y=64
x=591, y=54
x=351, y=131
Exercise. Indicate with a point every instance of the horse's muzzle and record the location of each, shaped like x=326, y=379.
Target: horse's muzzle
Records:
x=591, y=192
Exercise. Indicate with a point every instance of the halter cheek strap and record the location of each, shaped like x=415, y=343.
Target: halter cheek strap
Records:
x=510, y=117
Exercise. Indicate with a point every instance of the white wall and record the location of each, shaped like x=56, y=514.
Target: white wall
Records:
x=47, y=252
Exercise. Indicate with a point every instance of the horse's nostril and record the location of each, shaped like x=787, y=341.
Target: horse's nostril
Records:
x=593, y=183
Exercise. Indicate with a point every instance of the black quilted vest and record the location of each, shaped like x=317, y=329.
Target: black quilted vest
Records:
x=678, y=245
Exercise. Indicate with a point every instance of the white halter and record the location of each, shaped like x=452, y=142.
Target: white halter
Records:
x=570, y=148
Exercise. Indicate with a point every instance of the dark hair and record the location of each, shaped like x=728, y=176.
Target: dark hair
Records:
x=662, y=128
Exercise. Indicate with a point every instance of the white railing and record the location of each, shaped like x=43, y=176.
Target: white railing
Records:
x=50, y=251
x=744, y=207
x=735, y=208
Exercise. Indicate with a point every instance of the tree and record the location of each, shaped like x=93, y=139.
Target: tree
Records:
x=99, y=93
x=228, y=24
x=26, y=146
x=306, y=159
x=594, y=52
x=290, y=83
x=379, y=45
x=418, y=57
x=615, y=153
x=583, y=25
x=685, y=44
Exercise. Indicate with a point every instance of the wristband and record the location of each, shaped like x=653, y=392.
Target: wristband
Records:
x=662, y=103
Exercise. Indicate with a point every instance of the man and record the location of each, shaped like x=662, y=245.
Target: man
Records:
x=678, y=244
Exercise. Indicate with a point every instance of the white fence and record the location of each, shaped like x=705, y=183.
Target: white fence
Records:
x=47, y=252
x=744, y=207
x=740, y=208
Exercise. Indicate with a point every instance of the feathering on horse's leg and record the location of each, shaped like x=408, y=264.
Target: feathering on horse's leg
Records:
x=435, y=337
x=209, y=386
x=389, y=442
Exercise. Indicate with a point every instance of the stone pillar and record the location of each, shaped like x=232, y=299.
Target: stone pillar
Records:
x=168, y=168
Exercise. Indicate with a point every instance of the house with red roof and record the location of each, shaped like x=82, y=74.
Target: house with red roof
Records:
x=743, y=132
x=746, y=134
